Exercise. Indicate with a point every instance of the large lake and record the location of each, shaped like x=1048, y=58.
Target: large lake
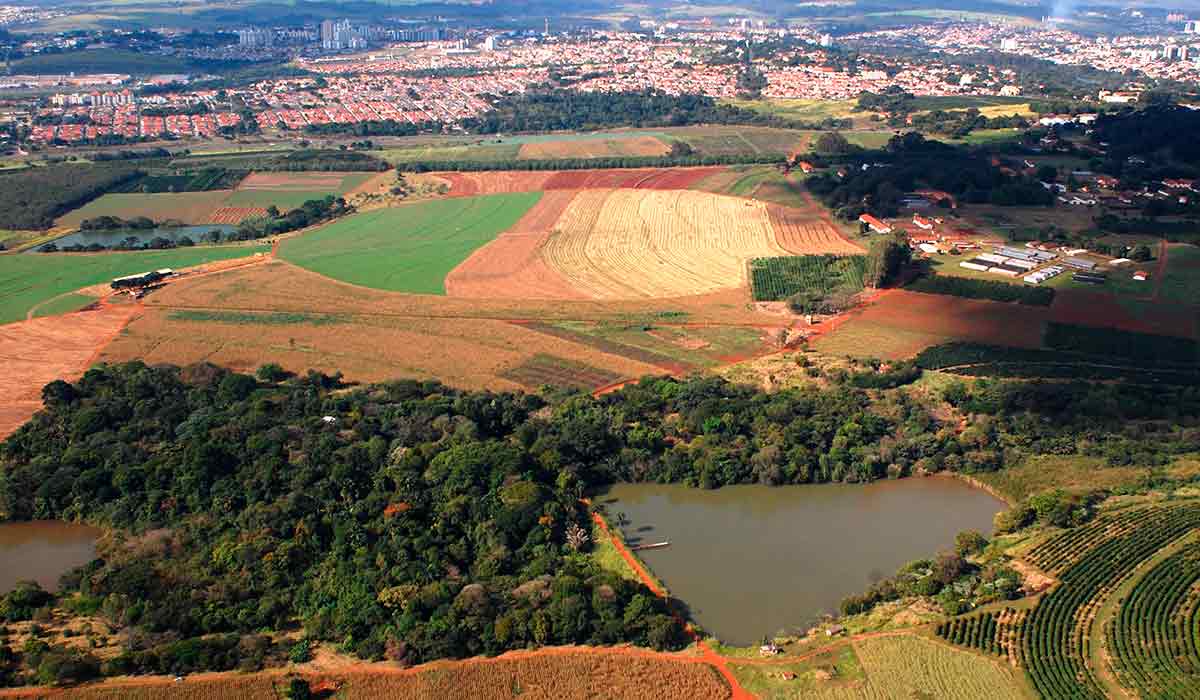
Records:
x=43, y=551
x=751, y=561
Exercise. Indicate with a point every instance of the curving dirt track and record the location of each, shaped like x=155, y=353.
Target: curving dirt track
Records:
x=38, y=351
x=511, y=266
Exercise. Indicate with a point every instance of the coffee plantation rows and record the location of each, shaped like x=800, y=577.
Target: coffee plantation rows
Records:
x=1154, y=638
x=1054, y=639
x=975, y=631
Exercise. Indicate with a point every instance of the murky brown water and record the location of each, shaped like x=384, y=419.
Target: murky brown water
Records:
x=43, y=551
x=754, y=560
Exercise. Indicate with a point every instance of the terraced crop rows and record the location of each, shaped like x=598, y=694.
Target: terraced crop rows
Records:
x=628, y=244
x=1055, y=644
x=1155, y=638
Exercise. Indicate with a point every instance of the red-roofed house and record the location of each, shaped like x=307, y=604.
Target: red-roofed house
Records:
x=875, y=224
x=922, y=222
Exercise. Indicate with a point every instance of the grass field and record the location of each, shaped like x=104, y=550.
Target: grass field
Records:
x=284, y=200
x=410, y=248
x=801, y=110
x=483, y=152
x=188, y=207
x=64, y=304
x=29, y=279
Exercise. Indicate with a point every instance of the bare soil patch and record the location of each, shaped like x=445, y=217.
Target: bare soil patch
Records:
x=500, y=182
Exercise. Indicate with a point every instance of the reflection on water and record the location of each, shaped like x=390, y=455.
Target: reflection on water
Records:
x=751, y=561
x=43, y=551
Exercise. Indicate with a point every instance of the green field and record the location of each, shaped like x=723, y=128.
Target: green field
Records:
x=409, y=248
x=481, y=153
x=814, y=276
x=188, y=207
x=64, y=304
x=28, y=279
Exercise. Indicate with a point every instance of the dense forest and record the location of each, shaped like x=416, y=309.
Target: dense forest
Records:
x=412, y=521
x=1146, y=144
x=33, y=198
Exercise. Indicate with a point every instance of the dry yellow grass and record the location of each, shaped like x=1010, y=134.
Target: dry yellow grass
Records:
x=636, y=244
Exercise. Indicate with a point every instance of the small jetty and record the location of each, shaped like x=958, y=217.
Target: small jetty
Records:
x=654, y=545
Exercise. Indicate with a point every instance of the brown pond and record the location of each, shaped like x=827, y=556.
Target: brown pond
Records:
x=43, y=551
x=751, y=561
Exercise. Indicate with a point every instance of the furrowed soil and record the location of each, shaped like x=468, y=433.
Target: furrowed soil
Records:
x=630, y=244
x=511, y=266
x=235, y=215
x=807, y=233
x=39, y=351
x=499, y=182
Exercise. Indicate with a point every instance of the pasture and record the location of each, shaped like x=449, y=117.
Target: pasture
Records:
x=610, y=146
x=29, y=279
x=409, y=248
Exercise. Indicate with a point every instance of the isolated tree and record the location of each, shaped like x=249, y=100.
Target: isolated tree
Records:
x=831, y=143
x=884, y=261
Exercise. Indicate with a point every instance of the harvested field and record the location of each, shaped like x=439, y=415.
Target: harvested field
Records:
x=39, y=351
x=409, y=248
x=188, y=207
x=901, y=323
x=594, y=148
x=496, y=182
x=806, y=233
x=235, y=215
x=629, y=244
x=511, y=266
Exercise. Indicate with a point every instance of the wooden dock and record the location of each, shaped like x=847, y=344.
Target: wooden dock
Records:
x=655, y=545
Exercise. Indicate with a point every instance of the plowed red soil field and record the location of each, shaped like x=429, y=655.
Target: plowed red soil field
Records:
x=1088, y=308
x=39, y=351
x=499, y=182
x=511, y=266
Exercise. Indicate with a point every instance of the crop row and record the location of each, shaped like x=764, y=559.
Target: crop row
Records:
x=1154, y=637
x=1059, y=553
x=977, y=632
x=1055, y=643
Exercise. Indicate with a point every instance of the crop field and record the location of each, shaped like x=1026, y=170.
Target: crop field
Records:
x=622, y=244
x=1089, y=562
x=901, y=324
x=188, y=207
x=483, y=152
x=776, y=279
x=409, y=248
x=304, y=181
x=739, y=140
x=615, y=146
x=29, y=279
x=1155, y=638
x=464, y=184
x=235, y=215
x=805, y=232
x=1088, y=307
x=511, y=266
x=39, y=351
